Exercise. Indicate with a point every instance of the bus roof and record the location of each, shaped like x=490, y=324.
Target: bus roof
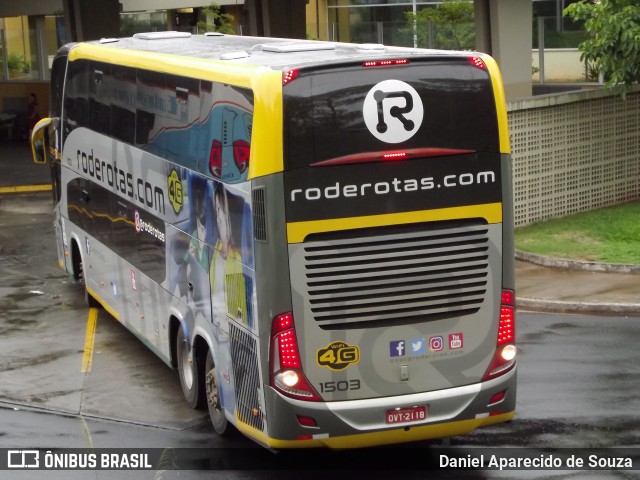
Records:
x=274, y=53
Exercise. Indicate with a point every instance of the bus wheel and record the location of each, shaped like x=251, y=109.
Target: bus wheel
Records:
x=188, y=371
x=216, y=412
x=78, y=275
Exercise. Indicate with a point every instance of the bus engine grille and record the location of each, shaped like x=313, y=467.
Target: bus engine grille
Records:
x=244, y=355
x=396, y=275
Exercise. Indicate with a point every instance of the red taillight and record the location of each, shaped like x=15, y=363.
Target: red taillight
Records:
x=307, y=421
x=508, y=298
x=497, y=398
x=477, y=62
x=395, y=156
x=288, y=349
x=369, y=157
x=287, y=375
x=386, y=63
x=281, y=323
x=506, y=328
x=504, y=358
x=241, y=151
x=288, y=75
x=215, y=159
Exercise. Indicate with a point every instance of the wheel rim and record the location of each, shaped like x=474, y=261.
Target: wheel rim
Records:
x=187, y=370
x=213, y=394
x=218, y=419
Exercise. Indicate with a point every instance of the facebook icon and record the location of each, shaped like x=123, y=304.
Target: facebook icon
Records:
x=396, y=348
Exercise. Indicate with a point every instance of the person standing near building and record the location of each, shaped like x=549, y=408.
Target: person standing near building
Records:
x=33, y=115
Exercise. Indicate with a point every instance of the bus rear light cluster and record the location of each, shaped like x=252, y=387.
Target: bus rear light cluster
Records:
x=477, y=62
x=384, y=156
x=497, y=398
x=395, y=156
x=287, y=375
x=504, y=358
x=386, y=63
x=289, y=74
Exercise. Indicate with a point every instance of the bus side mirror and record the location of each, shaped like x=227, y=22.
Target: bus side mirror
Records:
x=38, y=144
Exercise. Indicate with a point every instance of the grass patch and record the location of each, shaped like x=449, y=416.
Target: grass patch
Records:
x=610, y=235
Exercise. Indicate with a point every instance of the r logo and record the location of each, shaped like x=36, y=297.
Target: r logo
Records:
x=393, y=111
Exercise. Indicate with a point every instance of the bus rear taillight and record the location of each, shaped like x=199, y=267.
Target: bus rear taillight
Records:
x=504, y=358
x=289, y=74
x=386, y=63
x=395, y=156
x=286, y=366
x=477, y=62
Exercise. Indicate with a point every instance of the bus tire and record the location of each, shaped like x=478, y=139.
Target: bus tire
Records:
x=189, y=371
x=216, y=412
x=78, y=276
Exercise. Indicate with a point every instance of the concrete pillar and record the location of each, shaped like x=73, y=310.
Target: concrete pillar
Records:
x=277, y=18
x=504, y=30
x=92, y=20
x=41, y=48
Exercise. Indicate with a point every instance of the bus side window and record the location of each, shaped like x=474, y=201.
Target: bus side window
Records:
x=78, y=198
x=76, y=100
x=100, y=98
x=123, y=103
x=101, y=213
x=183, y=118
x=150, y=108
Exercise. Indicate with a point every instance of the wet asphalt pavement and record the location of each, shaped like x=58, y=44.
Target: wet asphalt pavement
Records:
x=577, y=376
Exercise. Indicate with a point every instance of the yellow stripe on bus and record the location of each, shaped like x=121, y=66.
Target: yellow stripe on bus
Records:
x=87, y=358
x=298, y=231
x=265, y=83
x=501, y=103
x=104, y=304
x=267, y=150
x=201, y=68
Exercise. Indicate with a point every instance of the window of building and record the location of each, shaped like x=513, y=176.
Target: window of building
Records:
x=391, y=23
x=21, y=41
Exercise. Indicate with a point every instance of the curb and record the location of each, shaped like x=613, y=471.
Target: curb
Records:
x=563, y=306
x=577, y=264
x=560, y=306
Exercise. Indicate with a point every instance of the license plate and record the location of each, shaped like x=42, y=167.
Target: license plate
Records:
x=406, y=415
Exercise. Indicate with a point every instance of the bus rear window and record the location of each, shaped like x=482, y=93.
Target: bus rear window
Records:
x=438, y=104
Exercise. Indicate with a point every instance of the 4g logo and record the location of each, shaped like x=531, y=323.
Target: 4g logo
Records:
x=338, y=356
x=175, y=191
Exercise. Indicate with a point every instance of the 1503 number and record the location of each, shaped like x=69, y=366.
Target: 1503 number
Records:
x=341, y=386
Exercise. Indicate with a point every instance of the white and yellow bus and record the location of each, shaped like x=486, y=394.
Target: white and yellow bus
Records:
x=317, y=236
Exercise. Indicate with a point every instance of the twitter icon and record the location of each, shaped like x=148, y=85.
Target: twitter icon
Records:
x=417, y=346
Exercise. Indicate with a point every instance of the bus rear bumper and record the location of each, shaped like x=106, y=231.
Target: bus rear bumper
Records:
x=363, y=423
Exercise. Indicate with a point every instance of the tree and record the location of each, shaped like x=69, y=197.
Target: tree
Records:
x=613, y=39
x=216, y=21
x=452, y=22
